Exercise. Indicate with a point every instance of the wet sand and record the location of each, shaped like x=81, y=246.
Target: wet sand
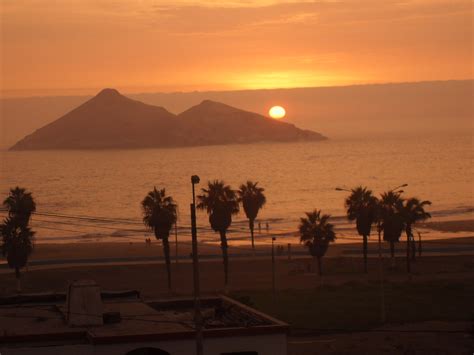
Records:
x=466, y=225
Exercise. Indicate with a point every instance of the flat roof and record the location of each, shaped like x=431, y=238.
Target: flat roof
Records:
x=39, y=319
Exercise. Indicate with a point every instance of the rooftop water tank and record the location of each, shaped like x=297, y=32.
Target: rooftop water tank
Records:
x=84, y=304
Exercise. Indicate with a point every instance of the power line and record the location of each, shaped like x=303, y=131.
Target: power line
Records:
x=90, y=226
x=87, y=218
x=110, y=219
x=125, y=221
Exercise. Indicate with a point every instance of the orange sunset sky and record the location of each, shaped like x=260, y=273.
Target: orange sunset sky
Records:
x=80, y=46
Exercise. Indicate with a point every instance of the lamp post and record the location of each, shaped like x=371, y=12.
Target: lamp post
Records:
x=176, y=237
x=273, y=267
x=381, y=274
x=273, y=271
x=197, y=300
x=398, y=187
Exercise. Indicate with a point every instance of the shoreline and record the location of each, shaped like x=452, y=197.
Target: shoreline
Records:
x=57, y=256
x=346, y=234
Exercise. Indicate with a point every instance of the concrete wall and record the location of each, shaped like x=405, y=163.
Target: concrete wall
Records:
x=263, y=344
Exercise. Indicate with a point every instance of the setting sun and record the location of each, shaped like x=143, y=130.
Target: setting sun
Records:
x=277, y=112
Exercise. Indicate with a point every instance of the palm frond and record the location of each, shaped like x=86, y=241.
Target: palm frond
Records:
x=218, y=195
x=252, y=198
x=159, y=212
x=20, y=205
x=316, y=232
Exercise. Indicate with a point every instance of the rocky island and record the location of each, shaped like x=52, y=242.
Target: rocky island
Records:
x=113, y=121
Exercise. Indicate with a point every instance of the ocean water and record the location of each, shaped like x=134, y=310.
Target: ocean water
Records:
x=95, y=195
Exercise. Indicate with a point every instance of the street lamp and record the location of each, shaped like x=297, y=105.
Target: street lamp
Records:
x=176, y=237
x=273, y=272
x=398, y=187
x=194, y=181
x=197, y=301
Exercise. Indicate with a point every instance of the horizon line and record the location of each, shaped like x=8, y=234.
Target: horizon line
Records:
x=97, y=90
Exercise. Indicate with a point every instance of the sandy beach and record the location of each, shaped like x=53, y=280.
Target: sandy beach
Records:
x=137, y=250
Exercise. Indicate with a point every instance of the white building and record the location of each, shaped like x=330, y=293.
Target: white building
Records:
x=87, y=321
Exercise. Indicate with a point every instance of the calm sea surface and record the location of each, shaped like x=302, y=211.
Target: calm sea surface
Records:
x=95, y=195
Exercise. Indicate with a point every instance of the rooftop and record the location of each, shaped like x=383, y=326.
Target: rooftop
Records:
x=126, y=318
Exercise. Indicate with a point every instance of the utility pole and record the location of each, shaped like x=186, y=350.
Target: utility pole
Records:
x=197, y=298
x=176, y=238
x=273, y=270
x=419, y=244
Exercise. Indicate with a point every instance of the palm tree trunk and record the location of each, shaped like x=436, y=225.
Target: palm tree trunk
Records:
x=365, y=252
x=18, y=279
x=166, y=251
x=381, y=277
x=225, y=257
x=320, y=267
x=407, y=232
x=419, y=244
x=251, y=225
x=379, y=231
x=392, y=253
x=413, y=247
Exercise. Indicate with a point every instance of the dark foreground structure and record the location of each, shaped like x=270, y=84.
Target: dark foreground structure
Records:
x=88, y=321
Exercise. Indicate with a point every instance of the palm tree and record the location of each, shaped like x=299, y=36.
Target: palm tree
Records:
x=413, y=211
x=220, y=203
x=392, y=221
x=20, y=205
x=316, y=233
x=361, y=207
x=17, y=245
x=159, y=214
x=17, y=237
x=252, y=199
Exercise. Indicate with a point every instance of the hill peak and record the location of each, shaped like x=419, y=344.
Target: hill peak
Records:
x=108, y=92
x=210, y=106
x=210, y=102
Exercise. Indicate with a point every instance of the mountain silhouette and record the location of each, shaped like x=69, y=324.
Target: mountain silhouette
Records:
x=111, y=120
x=213, y=122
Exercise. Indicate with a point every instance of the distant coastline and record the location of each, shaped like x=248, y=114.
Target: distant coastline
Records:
x=339, y=111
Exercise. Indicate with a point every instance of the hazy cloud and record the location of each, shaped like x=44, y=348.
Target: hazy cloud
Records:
x=209, y=44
